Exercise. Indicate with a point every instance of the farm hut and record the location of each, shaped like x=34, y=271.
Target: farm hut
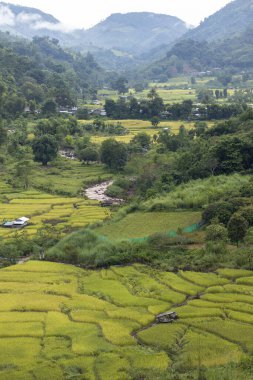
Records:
x=8, y=224
x=18, y=223
x=21, y=222
x=167, y=317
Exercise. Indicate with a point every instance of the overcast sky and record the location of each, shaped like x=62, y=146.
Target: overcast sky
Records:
x=86, y=13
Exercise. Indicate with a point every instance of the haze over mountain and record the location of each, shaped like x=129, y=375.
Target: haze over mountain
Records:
x=129, y=32
x=123, y=41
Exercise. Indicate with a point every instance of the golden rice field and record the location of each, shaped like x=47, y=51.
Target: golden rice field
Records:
x=138, y=126
x=43, y=209
x=62, y=322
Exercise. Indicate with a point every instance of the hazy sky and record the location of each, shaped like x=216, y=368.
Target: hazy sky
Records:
x=85, y=13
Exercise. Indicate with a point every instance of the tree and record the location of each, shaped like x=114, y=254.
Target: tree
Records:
x=23, y=172
x=88, y=154
x=237, y=228
x=155, y=121
x=205, y=96
x=49, y=107
x=113, y=154
x=45, y=149
x=216, y=233
x=201, y=127
x=14, y=105
x=3, y=134
x=155, y=103
x=110, y=107
x=217, y=94
x=141, y=141
x=120, y=85
x=82, y=114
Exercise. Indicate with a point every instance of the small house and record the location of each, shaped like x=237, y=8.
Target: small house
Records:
x=167, y=317
x=18, y=223
x=21, y=222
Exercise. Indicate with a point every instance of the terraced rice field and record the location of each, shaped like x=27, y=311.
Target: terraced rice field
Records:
x=43, y=209
x=68, y=177
x=62, y=322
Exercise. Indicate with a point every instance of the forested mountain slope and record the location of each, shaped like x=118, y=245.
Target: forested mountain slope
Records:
x=135, y=32
x=234, y=18
x=41, y=69
x=188, y=55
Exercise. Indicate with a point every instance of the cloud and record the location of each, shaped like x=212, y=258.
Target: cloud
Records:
x=58, y=27
x=34, y=20
x=27, y=17
x=7, y=17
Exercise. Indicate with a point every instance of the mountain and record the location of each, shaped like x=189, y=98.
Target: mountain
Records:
x=136, y=32
x=233, y=54
x=234, y=18
x=27, y=22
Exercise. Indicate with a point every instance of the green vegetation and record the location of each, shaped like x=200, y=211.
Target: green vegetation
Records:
x=141, y=224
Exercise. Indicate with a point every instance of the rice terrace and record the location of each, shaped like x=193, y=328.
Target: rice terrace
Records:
x=63, y=322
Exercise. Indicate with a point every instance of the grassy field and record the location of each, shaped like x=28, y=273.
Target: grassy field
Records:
x=62, y=322
x=141, y=224
x=43, y=209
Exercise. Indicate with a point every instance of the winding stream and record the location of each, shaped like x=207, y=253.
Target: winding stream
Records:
x=97, y=193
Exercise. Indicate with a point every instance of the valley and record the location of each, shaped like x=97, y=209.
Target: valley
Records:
x=126, y=193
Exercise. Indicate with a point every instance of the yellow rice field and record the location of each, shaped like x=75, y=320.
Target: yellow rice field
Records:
x=61, y=322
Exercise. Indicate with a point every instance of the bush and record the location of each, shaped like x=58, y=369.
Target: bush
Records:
x=247, y=213
x=115, y=191
x=216, y=232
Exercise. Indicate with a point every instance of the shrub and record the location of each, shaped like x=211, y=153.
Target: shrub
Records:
x=115, y=191
x=216, y=232
x=247, y=213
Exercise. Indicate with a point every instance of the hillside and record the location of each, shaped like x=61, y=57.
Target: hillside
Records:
x=136, y=32
x=42, y=69
x=189, y=55
x=234, y=18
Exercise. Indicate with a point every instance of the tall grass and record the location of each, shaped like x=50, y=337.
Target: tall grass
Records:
x=198, y=193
